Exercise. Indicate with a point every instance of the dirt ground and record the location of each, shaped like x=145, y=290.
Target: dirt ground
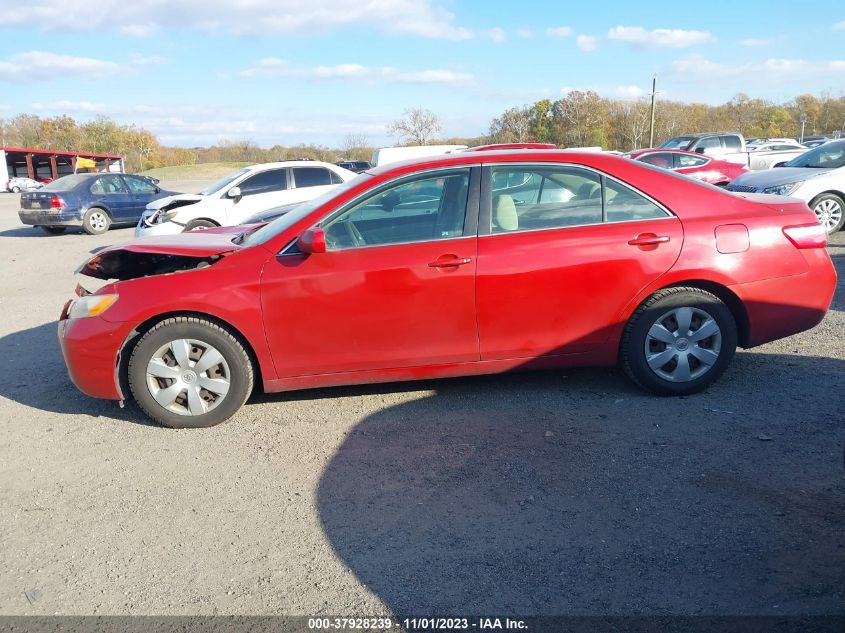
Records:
x=531, y=494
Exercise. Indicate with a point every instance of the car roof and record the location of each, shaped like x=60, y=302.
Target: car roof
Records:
x=655, y=150
x=289, y=163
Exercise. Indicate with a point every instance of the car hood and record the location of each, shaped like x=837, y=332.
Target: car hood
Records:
x=155, y=205
x=161, y=254
x=778, y=176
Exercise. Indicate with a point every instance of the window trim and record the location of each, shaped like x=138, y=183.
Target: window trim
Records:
x=485, y=223
x=470, y=213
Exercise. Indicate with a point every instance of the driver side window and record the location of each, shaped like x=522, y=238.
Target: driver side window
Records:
x=420, y=209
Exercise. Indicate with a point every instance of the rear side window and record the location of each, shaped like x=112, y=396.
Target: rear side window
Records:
x=530, y=198
x=336, y=180
x=265, y=182
x=311, y=177
x=685, y=160
x=659, y=159
x=108, y=184
x=732, y=143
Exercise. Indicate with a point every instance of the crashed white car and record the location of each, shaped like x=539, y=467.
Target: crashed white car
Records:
x=241, y=194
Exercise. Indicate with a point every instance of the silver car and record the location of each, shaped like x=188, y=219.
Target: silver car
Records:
x=18, y=184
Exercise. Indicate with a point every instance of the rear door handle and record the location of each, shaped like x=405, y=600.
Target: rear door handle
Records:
x=648, y=239
x=450, y=261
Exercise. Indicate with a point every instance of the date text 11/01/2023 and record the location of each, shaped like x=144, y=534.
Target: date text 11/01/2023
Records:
x=418, y=624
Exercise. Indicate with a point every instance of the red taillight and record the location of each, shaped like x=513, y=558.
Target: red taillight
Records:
x=57, y=203
x=806, y=235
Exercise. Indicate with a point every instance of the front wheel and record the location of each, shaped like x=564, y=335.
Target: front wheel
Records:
x=199, y=224
x=828, y=208
x=96, y=221
x=189, y=372
x=678, y=341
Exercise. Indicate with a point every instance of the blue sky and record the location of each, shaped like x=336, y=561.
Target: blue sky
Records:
x=285, y=71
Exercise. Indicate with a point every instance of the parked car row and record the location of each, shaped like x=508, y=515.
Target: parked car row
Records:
x=732, y=147
x=20, y=183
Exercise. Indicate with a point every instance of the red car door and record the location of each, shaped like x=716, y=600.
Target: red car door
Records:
x=562, y=250
x=396, y=287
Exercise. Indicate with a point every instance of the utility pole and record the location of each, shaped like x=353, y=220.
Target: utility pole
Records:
x=653, y=94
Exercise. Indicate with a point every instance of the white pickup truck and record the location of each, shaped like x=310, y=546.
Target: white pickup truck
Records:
x=731, y=147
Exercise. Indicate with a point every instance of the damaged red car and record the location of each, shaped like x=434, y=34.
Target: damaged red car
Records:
x=470, y=263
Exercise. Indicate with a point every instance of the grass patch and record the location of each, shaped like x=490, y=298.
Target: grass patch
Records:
x=200, y=171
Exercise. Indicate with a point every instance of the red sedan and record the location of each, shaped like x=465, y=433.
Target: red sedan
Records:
x=704, y=168
x=469, y=263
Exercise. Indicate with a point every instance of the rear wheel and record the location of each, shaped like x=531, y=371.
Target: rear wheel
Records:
x=16, y=189
x=53, y=230
x=678, y=341
x=96, y=221
x=828, y=207
x=188, y=372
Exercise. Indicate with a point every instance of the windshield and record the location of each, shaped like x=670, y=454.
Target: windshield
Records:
x=677, y=142
x=65, y=183
x=289, y=219
x=223, y=182
x=827, y=156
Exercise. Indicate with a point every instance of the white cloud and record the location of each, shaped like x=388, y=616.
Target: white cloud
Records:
x=697, y=68
x=65, y=106
x=587, y=42
x=497, y=35
x=753, y=41
x=524, y=33
x=424, y=18
x=559, y=31
x=145, y=60
x=41, y=66
x=275, y=67
x=659, y=38
x=839, y=26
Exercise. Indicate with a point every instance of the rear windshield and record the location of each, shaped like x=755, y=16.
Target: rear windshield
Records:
x=65, y=183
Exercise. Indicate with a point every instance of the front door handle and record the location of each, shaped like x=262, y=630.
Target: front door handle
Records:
x=450, y=261
x=648, y=239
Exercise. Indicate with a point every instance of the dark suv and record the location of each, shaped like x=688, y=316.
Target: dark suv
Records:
x=355, y=165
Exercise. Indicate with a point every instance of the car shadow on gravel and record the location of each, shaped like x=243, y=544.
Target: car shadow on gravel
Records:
x=33, y=373
x=573, y=493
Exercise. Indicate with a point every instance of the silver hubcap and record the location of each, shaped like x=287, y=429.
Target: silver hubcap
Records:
x=683, y=344
x=98, y=221
x=188, y=377
x=829, y=213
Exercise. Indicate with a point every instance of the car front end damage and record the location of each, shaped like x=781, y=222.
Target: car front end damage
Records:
x=93, y=332
x=160, y=216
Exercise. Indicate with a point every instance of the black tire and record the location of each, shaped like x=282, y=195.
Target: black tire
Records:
x=16, y=189
x=96, y=221
x=660, y=306
x=53, y=230
x=199, y=224
x=241, y=373
x=835, y=200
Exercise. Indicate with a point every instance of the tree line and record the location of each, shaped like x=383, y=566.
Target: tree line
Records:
x=578, y=119
x=583, y=119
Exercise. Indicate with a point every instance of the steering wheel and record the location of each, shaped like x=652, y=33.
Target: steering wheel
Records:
x=354, y=234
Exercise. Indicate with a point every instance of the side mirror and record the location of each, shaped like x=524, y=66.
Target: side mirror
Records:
x=234, y=192
x=780, y=164
x=158, y=189
x=312, y=241
x=699, y=150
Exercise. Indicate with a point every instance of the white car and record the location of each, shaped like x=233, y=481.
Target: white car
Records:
x=18, y=184
x=241, y=194
x=777, y=146
x=816, y=176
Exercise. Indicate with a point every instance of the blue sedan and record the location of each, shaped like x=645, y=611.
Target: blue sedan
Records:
x=93, y=201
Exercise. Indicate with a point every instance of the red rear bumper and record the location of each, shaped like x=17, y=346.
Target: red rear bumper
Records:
x=90, y=347
x=788, y=305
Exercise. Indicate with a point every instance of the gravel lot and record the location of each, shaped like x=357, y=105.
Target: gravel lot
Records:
x=531, y=494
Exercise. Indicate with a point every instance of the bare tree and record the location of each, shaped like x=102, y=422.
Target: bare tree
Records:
x=514, y=126
x=352, y=142
x=416, y=126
